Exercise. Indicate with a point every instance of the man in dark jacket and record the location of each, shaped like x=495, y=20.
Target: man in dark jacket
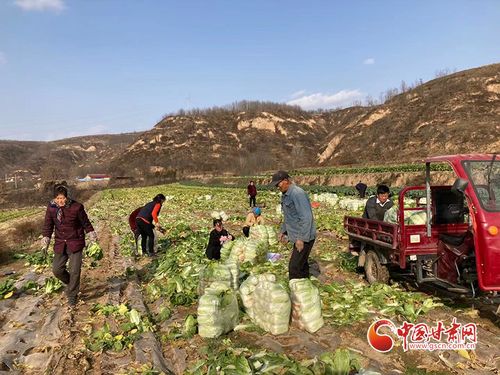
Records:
x=252, y=193
x=68, y=219
x=376, y=207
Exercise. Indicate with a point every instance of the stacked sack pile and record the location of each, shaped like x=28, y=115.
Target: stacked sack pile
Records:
x=267, y=303
x=306, y=305
x=217, y=311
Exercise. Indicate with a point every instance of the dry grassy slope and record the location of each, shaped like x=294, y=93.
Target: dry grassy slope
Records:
x=459, y=113
x=65, y=154
x=228, y=141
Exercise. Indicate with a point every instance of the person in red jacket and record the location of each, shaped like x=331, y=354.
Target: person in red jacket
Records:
x=69, y=221
x=146, y=220
x=252, y=193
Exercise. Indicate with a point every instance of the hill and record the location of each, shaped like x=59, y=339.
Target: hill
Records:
x=458, y=113
x=453, y=114
x=63, y=158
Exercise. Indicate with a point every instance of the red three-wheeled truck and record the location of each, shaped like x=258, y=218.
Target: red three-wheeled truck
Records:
x=456, y=247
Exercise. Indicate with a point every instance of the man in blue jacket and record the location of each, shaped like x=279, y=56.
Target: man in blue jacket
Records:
x=298, y=226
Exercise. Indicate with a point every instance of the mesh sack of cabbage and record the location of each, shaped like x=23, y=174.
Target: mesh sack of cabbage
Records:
x=227, y=274
x=235, y=273
x=306, y=305
x=267, y=303
x=248, y=249
x=225, y=251
x=217, y=311
x=256, y=251
x=411, y=217
x=272, y=235
x=391, y=215
x=235, y=251
x=259, y=233
x=415, y=217
x=265, y=233
x=247, y=289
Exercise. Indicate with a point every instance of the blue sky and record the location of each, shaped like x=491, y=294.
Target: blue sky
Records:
x=78, y=67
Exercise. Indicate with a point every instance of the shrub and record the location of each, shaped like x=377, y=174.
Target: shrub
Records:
x=27, y=231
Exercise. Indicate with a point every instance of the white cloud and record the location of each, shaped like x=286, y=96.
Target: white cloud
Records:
x=298, y=94
x=3, y=59
x=369, y=61
x=326, y=101
x=41, y=5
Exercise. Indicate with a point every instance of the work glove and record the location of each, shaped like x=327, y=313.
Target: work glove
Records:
x=92, y=236
x=45, y=245
x=160, y=229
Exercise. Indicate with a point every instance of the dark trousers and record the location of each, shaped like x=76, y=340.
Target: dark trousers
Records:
x=252, y=200
x=246, y=231
x=298, y=268
x=147, y=236
x=71, y=278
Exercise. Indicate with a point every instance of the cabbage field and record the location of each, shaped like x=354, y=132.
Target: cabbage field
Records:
x=183, y=314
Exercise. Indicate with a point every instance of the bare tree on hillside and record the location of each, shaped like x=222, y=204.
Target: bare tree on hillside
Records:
x=403, y=87
x=370, y=101
x=50, y=172
x=296, y=154
x=444, y=72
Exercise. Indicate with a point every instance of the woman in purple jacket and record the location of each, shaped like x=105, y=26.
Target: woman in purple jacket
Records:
x=68, y=219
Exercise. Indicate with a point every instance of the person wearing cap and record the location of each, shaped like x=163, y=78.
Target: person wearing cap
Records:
x=298, y=225
x=218, y=236
x=69, y=221
x=252, y=193
x=253, y=218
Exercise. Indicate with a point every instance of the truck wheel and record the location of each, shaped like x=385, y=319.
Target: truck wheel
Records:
x=374, y=271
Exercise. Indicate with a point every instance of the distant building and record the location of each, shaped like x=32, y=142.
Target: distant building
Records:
x=95, y=177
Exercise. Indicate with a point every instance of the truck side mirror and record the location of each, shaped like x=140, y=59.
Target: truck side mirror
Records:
x=459, y=185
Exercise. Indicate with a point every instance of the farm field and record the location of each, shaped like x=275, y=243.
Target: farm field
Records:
x=138, y=315
x=7, y=215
